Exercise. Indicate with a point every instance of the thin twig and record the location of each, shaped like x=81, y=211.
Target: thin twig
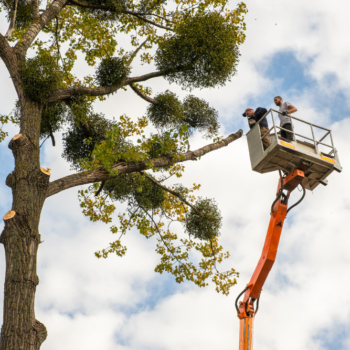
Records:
x=101, y=188
x=58, y=48
x=176, y=194
x=213, y=254
x=142, y=95
x=160, y=235
x=12, y=22
x=147, y=20
x=153, y=14
x=108, y=8
x=44, y=141
x=135, y=53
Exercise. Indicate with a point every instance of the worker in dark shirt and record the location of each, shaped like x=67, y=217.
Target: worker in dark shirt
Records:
x=253, y=118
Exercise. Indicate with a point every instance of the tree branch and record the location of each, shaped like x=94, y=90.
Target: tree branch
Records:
x=174, y=193
x=99, y=91
x=12, y=22
x=128, y=12
x=36, y=15
x=163, y=18
x=100, y=174
x=136, y=52
x=147, y=20
x=142, y=95
x=37, y=25
x=7, y=54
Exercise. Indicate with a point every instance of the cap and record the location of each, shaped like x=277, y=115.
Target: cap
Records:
x=244, y=115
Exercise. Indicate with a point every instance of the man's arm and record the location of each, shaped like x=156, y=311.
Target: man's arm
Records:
x=291, y=109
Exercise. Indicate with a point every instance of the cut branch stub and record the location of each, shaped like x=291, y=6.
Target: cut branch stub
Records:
x=10, y=180
x=41, y=333
x=9, y=215
x=16, y=136
x=45, y=171
x=18, y=141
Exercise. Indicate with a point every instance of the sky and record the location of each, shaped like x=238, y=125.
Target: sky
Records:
x=296, y=49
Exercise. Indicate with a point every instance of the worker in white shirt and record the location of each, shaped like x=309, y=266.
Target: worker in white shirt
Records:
x=285, y=121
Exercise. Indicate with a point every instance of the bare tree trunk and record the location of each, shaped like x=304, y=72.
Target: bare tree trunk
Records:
x=21, y=238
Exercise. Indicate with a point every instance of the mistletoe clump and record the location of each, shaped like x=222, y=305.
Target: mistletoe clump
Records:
x=149, y=196
x=205, y=222
x=203, y=52
x=41, y=76
x=194, y=112
x=80, y=140
x=121, y=187
x=52, y=118
x=200, y=116
x=112, y=71
x=168, y=112
x=137, y=190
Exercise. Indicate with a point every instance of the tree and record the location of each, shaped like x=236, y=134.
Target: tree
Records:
x=191, y=43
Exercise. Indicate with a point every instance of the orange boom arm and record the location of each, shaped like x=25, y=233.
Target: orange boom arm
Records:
x=245, y=310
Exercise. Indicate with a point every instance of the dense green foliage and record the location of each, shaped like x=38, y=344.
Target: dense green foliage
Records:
x=41, y=76
x=52, y=118
x=203, y=52
x=122, y=187
x=199, y=116
x=163, y=144
x=111, y=71
x=194, y=113
x=137, y=190
x=79, y=141
x=205, y=225
x=168, y=112
x=24, y=12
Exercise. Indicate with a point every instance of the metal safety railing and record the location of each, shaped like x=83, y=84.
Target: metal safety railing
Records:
x=312, y=127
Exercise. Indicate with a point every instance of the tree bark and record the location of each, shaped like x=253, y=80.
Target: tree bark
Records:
x=21, y=237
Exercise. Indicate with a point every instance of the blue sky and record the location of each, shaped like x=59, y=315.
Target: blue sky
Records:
x=290, y=78
x=334, y=337
x=123, y=304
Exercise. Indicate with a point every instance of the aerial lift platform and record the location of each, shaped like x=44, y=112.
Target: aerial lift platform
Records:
x=317, y=157
x=306, y=161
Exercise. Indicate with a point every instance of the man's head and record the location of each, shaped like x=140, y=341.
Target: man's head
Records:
x=278, y=101
x=248, y=112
